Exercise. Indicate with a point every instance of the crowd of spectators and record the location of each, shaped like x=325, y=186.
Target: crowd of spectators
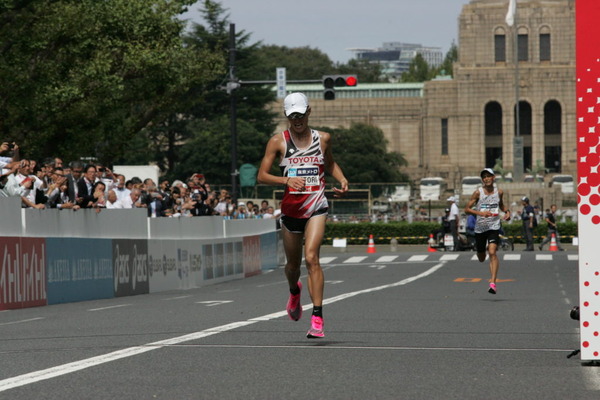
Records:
x=54, y=184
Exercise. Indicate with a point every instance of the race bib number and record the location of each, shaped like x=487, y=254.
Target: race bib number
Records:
x=493, y=208
x=311, y=178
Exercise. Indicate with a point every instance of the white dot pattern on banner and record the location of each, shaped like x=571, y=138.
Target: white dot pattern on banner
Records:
x=588, y=195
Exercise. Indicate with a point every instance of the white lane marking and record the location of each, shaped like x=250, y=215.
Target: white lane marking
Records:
x=420, y=257
x=36, y=376
x=512, y=257
x=474, y=258
x=108, y=308
x=543, y=257
x=249, y=346
x=21, y=321
x=383, y=259
x=449, y=257
x=573, y=257
x=64, y=369
x=379, y=267
x=355, y=259
x=211, y=303
x=326, y=260
x=178, y=297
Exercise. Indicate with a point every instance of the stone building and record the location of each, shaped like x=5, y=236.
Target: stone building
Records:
x=454, y=127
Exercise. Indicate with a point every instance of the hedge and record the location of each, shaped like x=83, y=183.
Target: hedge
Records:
x=418, y=232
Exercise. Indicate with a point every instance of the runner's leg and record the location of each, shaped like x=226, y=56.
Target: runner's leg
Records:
x=313, y=237
x=494, y=263
x=292, y=243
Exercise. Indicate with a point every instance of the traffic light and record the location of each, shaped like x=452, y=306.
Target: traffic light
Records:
x=332, y=81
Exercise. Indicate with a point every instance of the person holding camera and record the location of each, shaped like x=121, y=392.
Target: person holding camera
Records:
x=30, y=182
x=9, y=153
x=9, y=186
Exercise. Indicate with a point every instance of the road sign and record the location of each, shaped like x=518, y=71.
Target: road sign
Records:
x=281, y=80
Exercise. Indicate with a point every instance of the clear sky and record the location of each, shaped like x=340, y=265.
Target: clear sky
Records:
x=333, y=26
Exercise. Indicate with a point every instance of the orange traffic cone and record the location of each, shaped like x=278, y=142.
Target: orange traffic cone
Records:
x=371, y=247
x=431, y=242
x=553, y=245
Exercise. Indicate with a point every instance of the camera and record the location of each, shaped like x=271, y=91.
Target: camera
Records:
x=11, y=146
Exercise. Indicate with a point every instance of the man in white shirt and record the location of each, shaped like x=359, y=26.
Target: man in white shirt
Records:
x=112, y=202
x=121, y=191
x=131, y=200
x=453, y=219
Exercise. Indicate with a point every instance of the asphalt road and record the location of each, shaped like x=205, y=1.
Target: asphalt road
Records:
x=407, y=325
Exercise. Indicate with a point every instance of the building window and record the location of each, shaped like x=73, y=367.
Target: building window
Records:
x=552, y=118
x=545, y=50
x=500, y=48
x=523, y=47
x=444, y=136
x=493, y=132
x=492, y=156
x=552, y=136
x=493, y=119
x=524, y=118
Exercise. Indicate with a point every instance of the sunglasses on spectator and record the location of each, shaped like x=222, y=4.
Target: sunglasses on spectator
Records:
x=296, y=116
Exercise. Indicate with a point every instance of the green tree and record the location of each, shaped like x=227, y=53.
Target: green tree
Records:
x=300, y=62
x=447, y=66
x=197, y=136
x=418, y=70
x=308, y=63
x=208, y=150
x=367, y=72
x=360, y=166
x=83, y=77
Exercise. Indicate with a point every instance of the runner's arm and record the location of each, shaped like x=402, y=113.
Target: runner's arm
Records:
x=332, y=167
x=472, y=201
x=273, y=150
x=507, y=213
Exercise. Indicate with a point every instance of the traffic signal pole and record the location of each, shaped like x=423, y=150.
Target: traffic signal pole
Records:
x=231, y=86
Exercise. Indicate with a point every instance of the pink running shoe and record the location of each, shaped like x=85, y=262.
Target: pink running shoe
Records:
x=316, y=328
x=294, y=308
x=492, y=288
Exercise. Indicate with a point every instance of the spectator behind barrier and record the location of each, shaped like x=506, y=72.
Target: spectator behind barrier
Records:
x=85, y=187
x=54, y=184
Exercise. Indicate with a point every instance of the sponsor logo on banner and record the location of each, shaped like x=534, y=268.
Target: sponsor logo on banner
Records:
x=79, y=269
x=161, y=266
x=238, y=251
x=207, y=257
x=251, y=255
x=22, y=277
x=183, y=266
x=195, y=262
x=130, y=267
x=219, y=260
x=229, y=258
x=268, y=250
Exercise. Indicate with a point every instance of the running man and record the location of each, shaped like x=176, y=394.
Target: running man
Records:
x=486, y=204
x=304, y=156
